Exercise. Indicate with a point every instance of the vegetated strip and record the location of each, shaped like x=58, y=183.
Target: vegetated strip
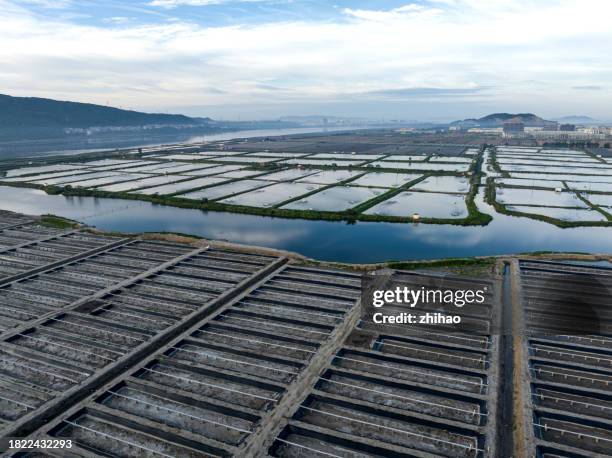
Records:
x=450, y=262
x=474, y=214
x=495, y=164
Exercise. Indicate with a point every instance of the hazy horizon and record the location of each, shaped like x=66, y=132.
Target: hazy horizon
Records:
x=433, y=60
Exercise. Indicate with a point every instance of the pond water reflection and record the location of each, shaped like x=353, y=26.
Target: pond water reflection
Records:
x=336, y=241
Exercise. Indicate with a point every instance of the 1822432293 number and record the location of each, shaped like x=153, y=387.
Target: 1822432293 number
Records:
x=39, y=443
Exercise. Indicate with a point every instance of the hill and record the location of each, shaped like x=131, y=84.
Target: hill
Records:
x=34, y=112
x=31, y=125
x=498, y=119
x=577, y=119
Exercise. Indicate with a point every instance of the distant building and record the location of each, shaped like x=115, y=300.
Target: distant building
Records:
x=567, y=136
x=593, y=130
x=514, y=126
x=551, y=126
x=567, y=127
x=486, y=130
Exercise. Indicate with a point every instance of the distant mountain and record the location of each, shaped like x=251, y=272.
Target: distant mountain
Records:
x=30, y=124
x=498, y=119
x=34, y=112
x=577, y=119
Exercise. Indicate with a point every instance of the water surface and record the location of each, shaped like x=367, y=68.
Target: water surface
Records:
x=111, y=140
x=334, y=241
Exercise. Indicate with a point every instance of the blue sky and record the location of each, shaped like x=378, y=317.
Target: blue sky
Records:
x=261, y=59
x=206, y=13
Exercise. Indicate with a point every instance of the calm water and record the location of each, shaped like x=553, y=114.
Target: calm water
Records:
x=70, y=146
x=335, y=241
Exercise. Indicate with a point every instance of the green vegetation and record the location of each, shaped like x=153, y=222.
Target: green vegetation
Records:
x=473, y=267
x=518, y=186
x=547, y=252
x=266, y=167
x=450, y=262
x=475, y=216
x=57, y=222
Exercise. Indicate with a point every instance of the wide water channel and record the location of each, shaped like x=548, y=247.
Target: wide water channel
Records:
x=332, y=241
x=110, y=140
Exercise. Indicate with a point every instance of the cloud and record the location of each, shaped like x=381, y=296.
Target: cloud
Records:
x=176, y=3
x=50, y=4
x=117, y=20
x=424, y=92
x=399, y=13
x=453, y=51
x=589, y=87
x=169, y=4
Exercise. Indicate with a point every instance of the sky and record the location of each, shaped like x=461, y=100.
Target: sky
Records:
x=427, y=60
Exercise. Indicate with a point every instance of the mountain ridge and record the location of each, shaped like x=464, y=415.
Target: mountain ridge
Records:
x=37, y=112
x=576, y=119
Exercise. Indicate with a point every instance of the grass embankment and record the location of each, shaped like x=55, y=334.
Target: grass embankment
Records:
x=473, y=267
x=377, y=169
x=466, y=267
x=57, y=222
x=475, y=216
x=450, y=262
x=550, y=252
